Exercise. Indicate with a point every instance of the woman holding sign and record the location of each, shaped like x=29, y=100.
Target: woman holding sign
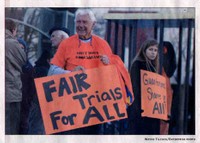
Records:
x=146, y=59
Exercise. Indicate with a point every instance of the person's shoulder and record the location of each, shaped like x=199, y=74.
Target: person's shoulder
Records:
x=68, y=42
x=75, y=36
x=95, y=36
x=138, y=63
x=71, y=39
x=99, y=40
x=12, y=43
x=11, y=40
x=135, y=62
x=136, y=66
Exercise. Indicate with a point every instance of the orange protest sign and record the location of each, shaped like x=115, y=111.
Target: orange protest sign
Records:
x=153, y=95
x=78, y=99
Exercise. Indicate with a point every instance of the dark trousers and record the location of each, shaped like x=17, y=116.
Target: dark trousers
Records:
x=25, y=109
x=35, y=121
x=12, y=117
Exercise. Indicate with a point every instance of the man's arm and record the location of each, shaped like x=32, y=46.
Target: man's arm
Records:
x=53, y=70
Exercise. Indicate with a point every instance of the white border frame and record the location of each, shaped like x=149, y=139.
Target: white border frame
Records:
x=96, y=3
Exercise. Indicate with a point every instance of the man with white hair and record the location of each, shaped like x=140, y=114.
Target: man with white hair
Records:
x=83, y=50
x=57, y=35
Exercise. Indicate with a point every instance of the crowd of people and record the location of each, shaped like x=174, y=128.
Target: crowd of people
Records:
x=23, y=113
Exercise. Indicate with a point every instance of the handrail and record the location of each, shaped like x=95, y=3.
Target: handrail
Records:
x=29, y=25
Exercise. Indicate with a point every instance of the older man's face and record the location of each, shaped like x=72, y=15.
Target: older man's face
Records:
x=84, y=26
x=56, y=38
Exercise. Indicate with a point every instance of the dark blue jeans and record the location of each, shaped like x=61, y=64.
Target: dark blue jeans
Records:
x=36, y=126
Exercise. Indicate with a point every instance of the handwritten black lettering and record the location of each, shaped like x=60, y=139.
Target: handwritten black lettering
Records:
x=49, y=90
x=80, y=98
x=64, y=86
x=95, y=114
x=66, y=120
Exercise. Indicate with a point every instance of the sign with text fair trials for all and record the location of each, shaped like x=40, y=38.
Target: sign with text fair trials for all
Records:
x=80, y=99
x=153, y=95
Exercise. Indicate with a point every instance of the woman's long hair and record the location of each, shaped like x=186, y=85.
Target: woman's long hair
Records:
x=141, y=55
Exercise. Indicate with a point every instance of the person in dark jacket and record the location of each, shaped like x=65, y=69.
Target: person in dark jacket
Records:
x=27, y=89
x=146, y=59
x=35, y=118
x=41, y=69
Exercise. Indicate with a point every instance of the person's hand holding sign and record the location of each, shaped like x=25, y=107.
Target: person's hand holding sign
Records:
x=78, y=68
x=105, y=60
